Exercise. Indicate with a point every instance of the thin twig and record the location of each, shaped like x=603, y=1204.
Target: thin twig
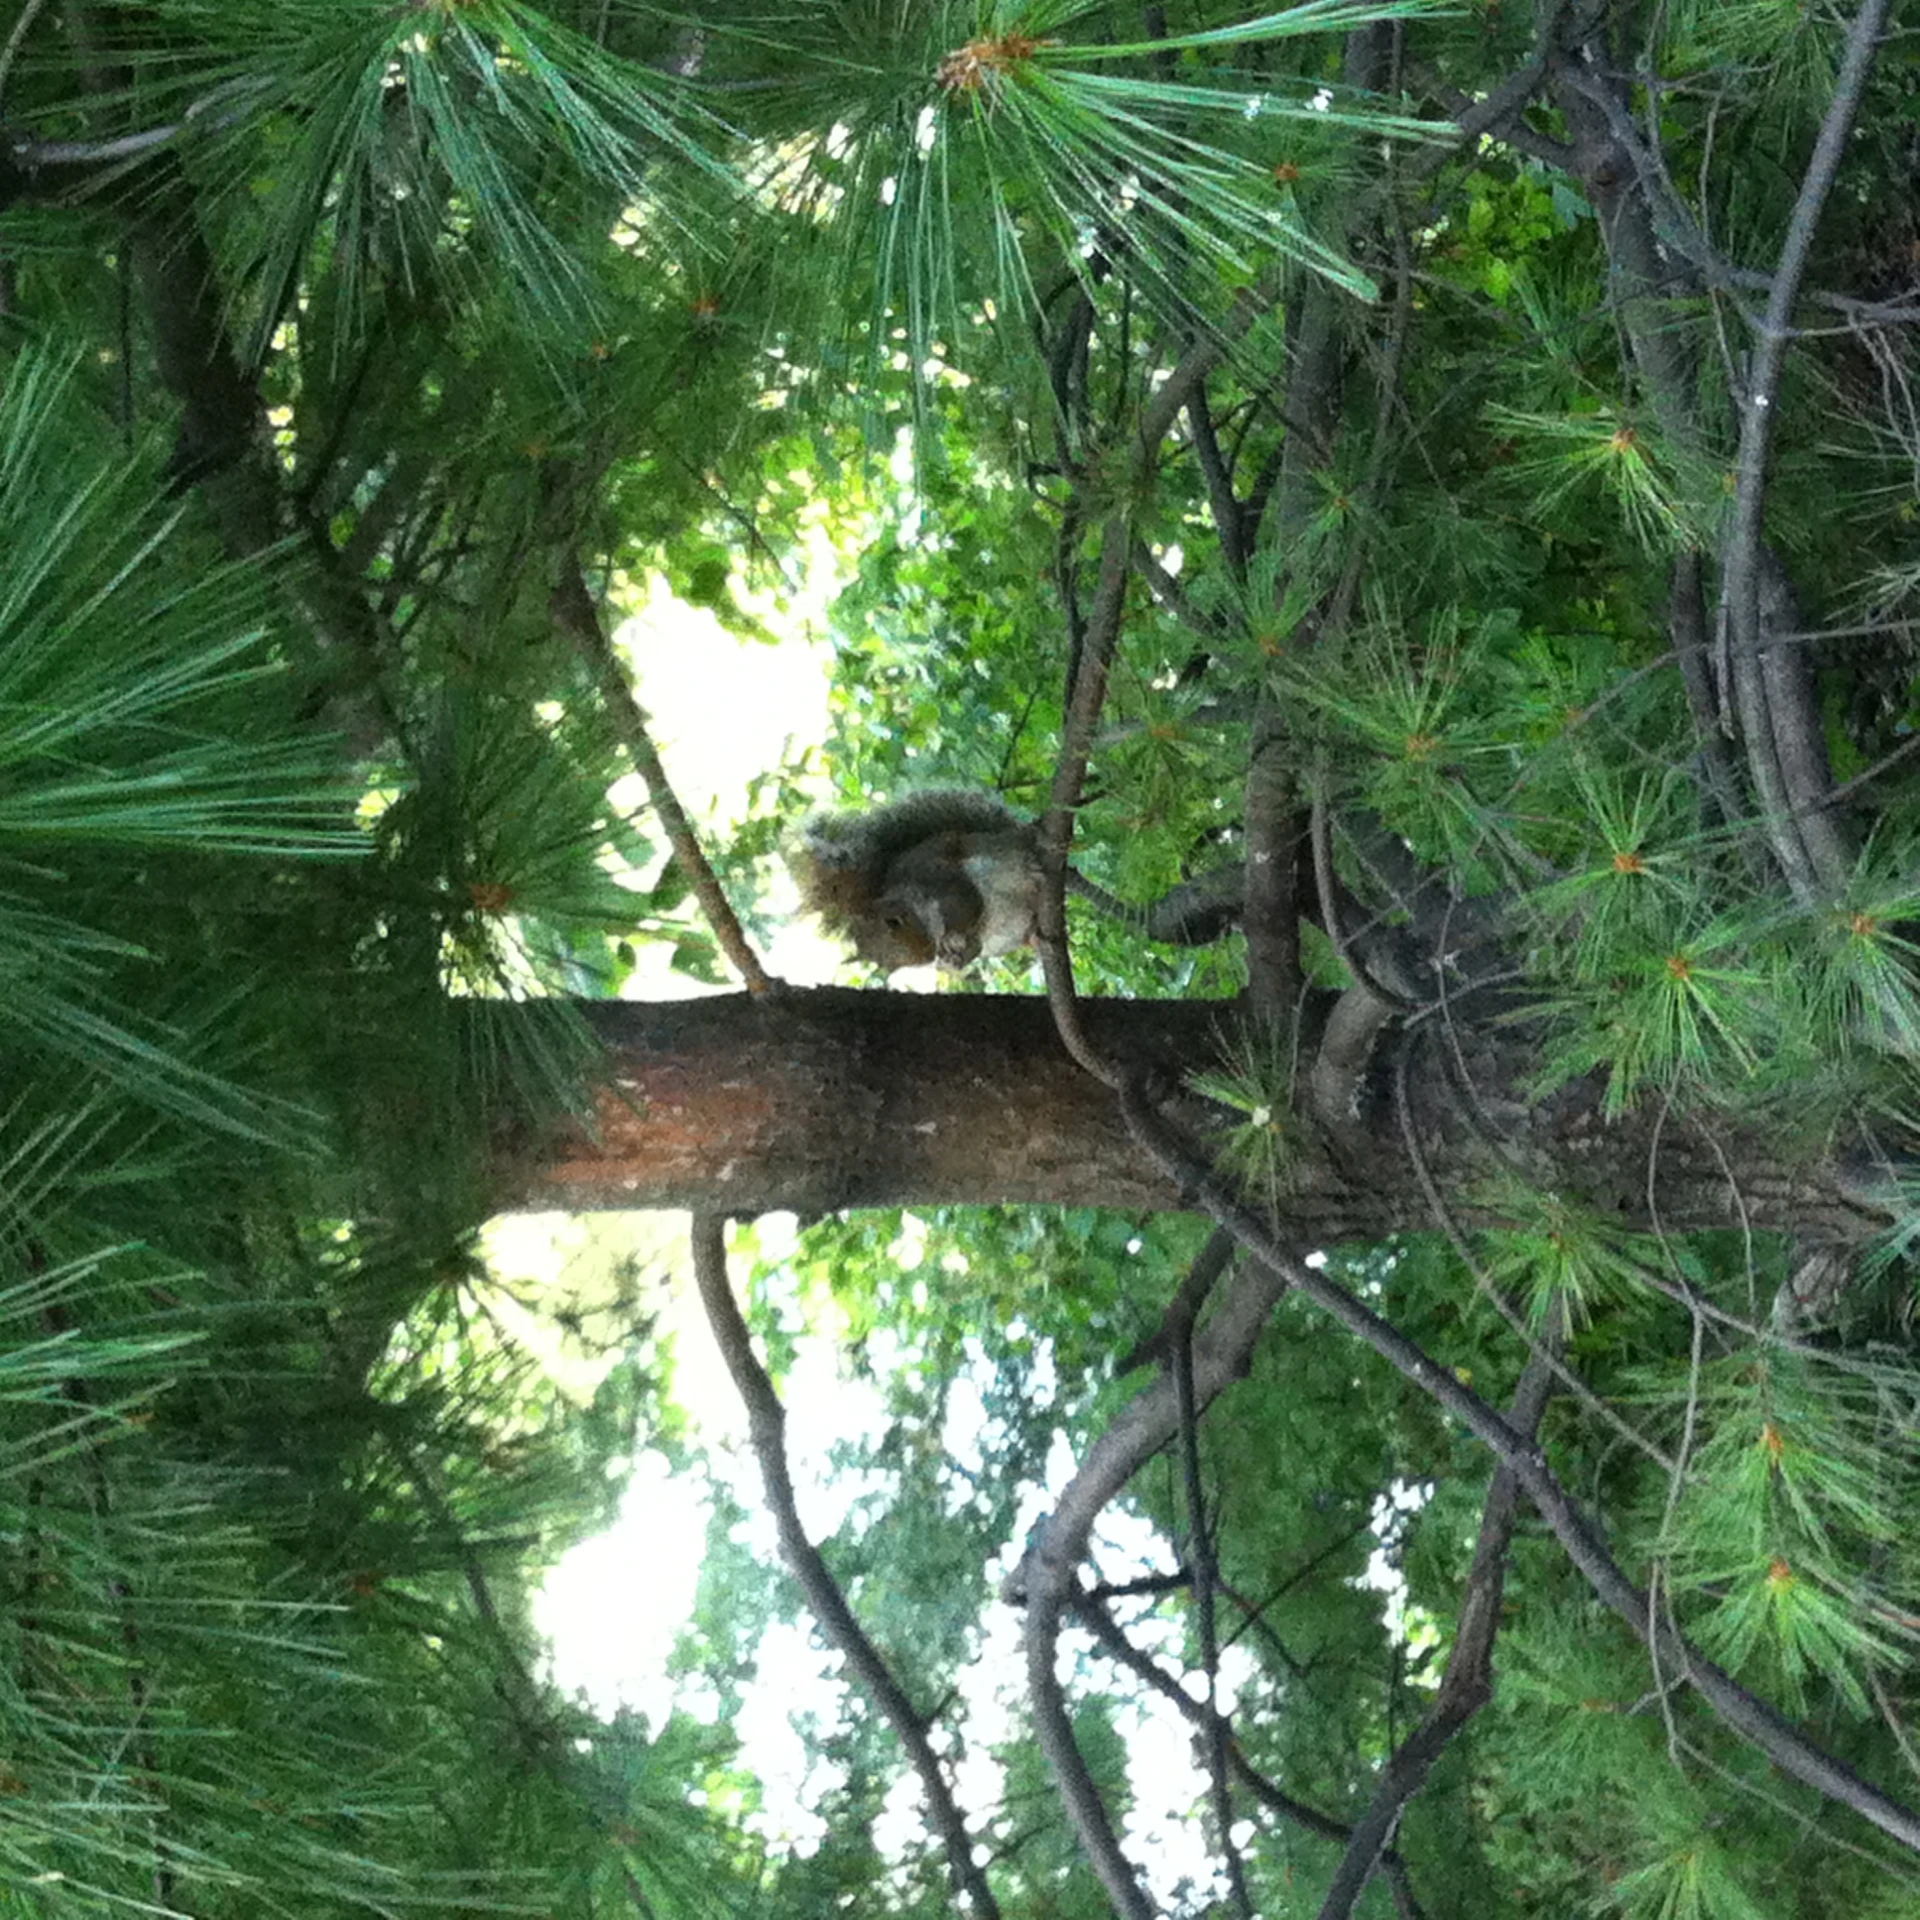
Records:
x=1183, y=1310
x=1677, y=1473
x=1200, y=1561
x=574, y=608
x=1895, y=1725
x=1229, y=517
x=1170, y=594
x=1048, y=1576
x=1094, y=1616
x=766, y=1426
x=11, y=51
x=1467, y=1684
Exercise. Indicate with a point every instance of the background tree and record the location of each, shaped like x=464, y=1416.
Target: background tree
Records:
x=1455, y=471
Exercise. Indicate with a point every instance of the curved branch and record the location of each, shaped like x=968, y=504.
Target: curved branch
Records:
x=766, y=1426
x=1387, y=982
x=1047, y=1579
x=15, y=39
x=1340, y=1062
x=1756, y=586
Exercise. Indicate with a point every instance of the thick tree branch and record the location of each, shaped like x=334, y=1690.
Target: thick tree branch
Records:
x=1706, y=700
x=1089, y=691
x=221, y=445
x=1780, y=728
x=1276, y=820
x=1271, y=915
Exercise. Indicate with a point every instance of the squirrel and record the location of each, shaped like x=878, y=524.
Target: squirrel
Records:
x=951, y=874
x=944, y=875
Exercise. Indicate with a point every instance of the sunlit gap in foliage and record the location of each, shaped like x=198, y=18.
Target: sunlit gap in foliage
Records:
x=613, y=1609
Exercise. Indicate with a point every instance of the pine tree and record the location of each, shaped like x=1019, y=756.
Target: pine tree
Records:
x=1454, y=471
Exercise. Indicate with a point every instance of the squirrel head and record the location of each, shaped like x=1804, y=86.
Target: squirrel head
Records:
x=893, y=936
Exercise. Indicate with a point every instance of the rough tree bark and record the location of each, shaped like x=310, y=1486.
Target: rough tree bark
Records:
x=834, y=1098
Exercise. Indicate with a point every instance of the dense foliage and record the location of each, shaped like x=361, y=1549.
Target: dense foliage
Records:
x=1459, y=464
